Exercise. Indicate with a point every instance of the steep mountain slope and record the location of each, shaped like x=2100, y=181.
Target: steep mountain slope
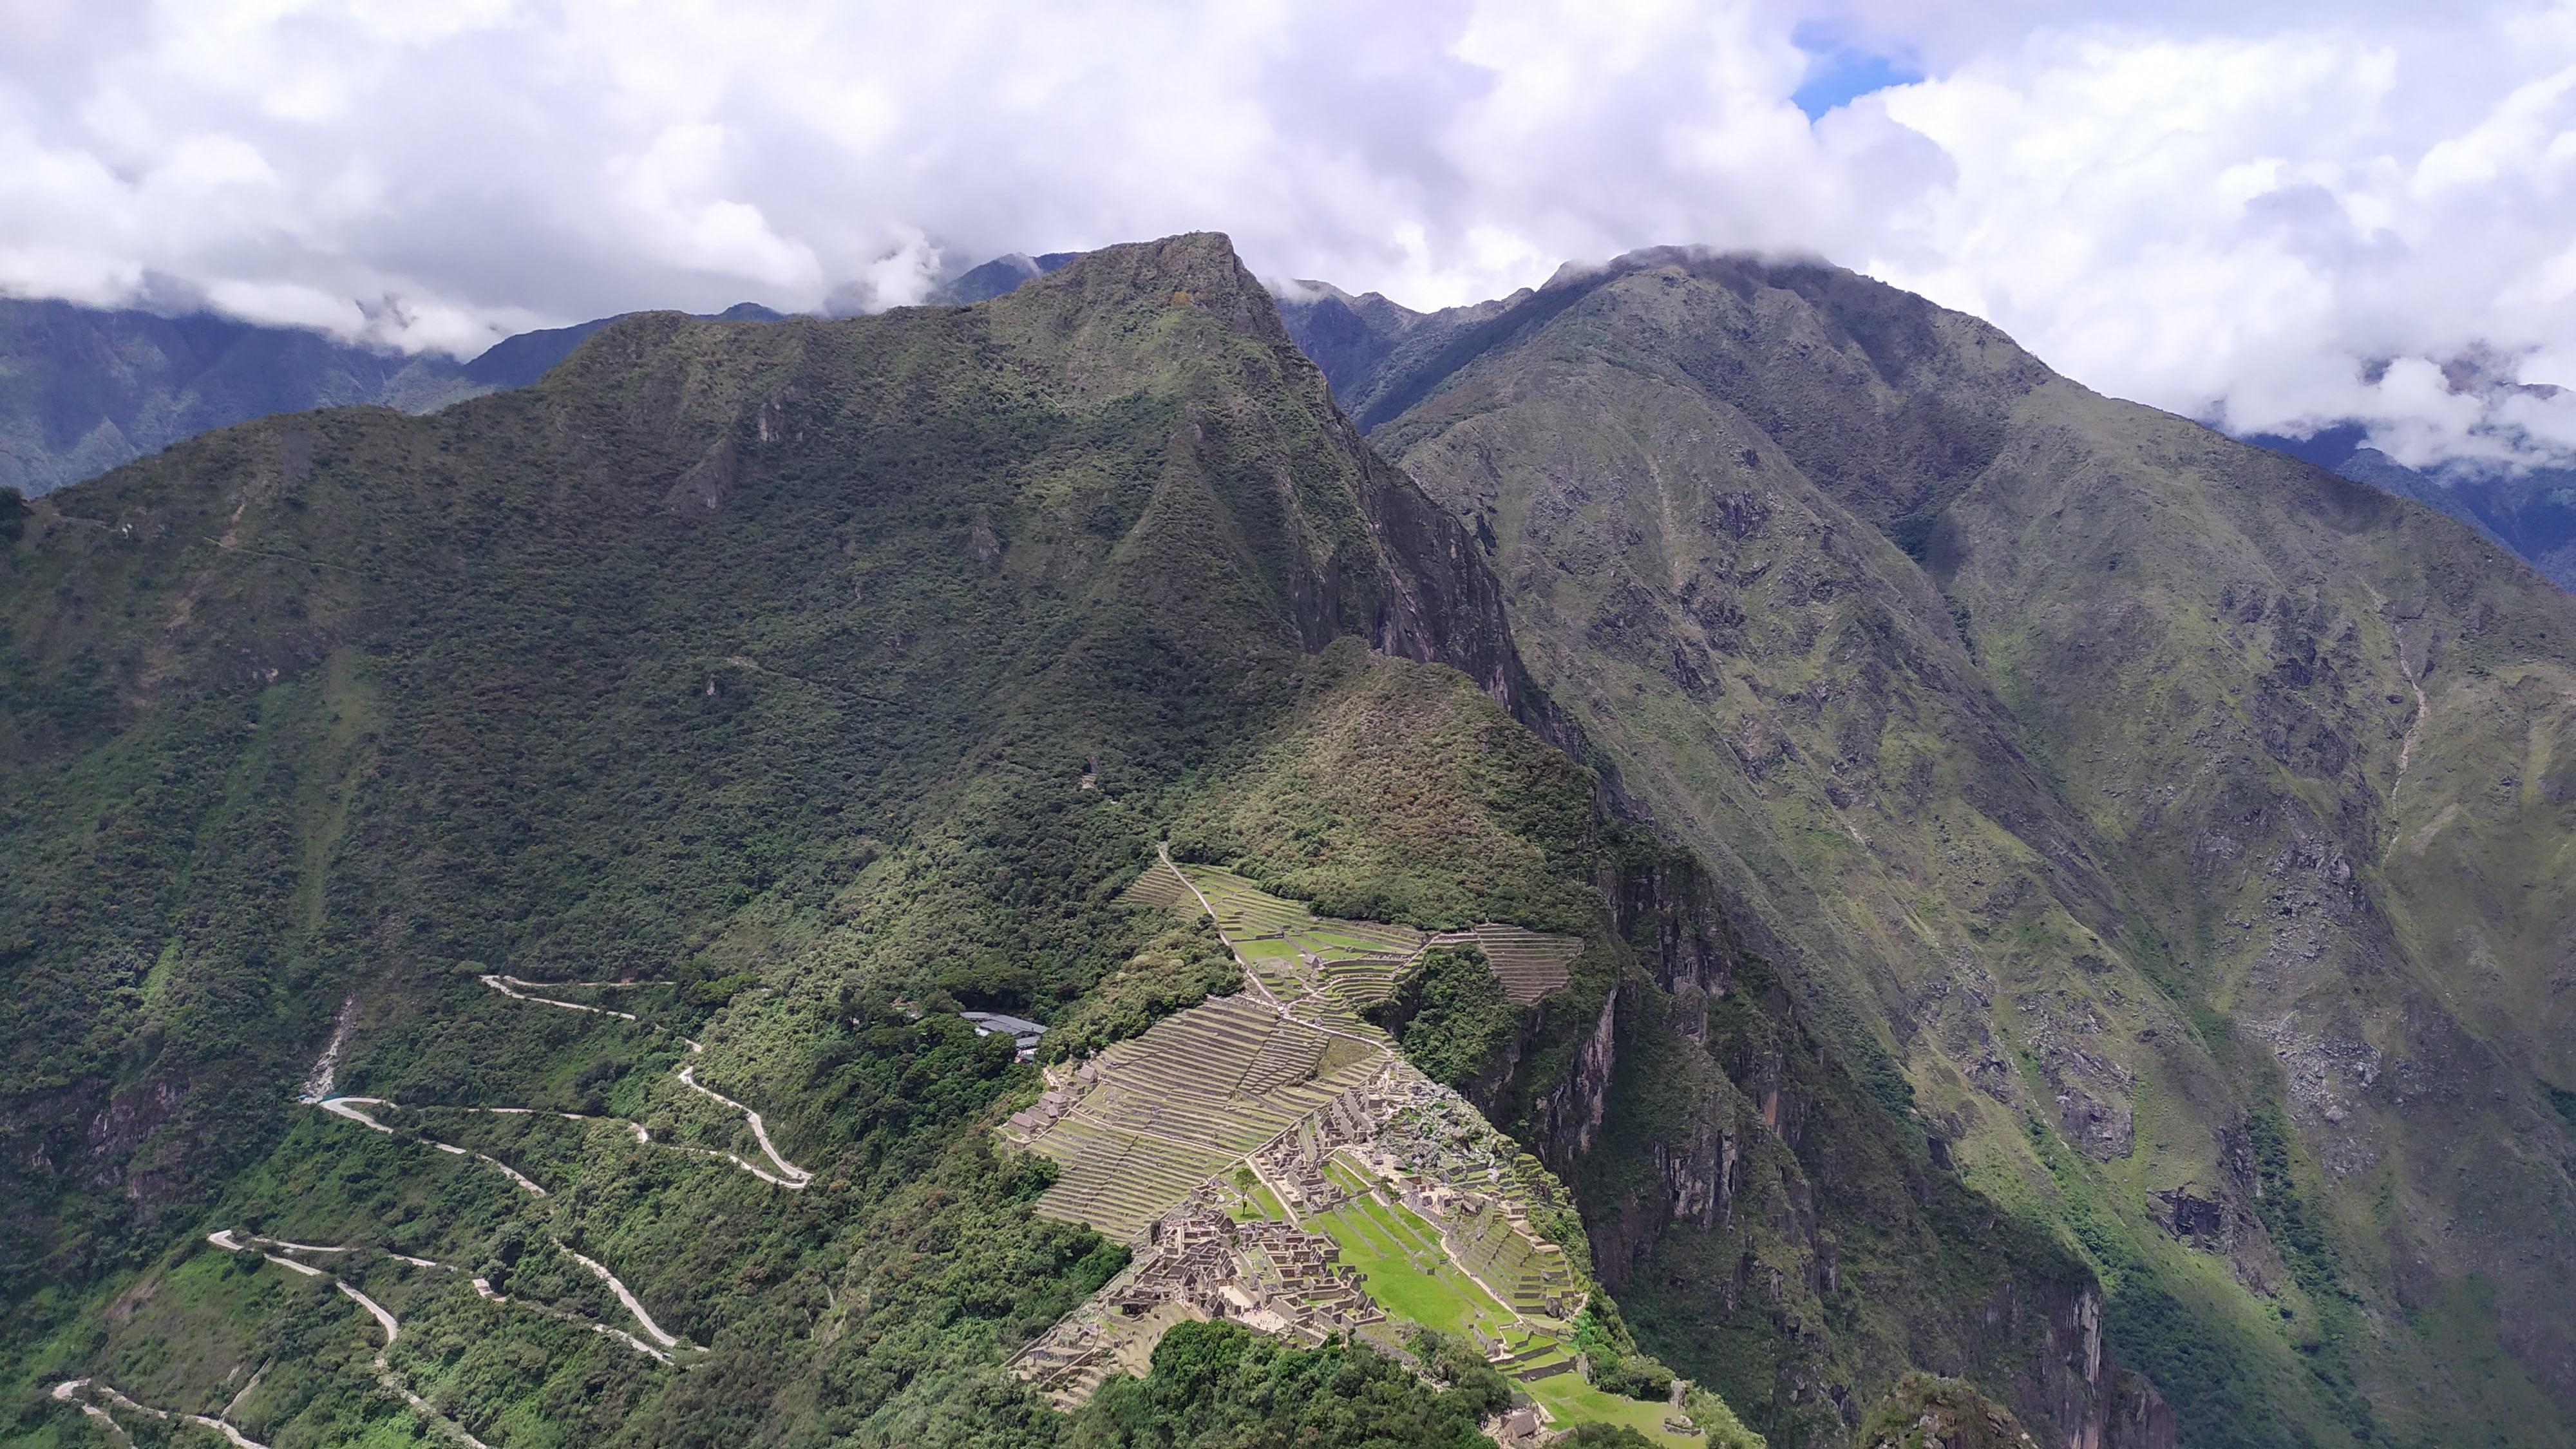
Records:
x=1675, y=1082
x=2182, y=821
x=492, y=889
x=998, y=277
x=1373, y=350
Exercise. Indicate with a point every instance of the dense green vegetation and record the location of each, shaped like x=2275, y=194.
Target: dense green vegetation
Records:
x=1221, y=1383
x=2048, y=979
x=1389, y=797
x=1449, y=1014
x=1923, y=1410
x=811, y=676
x=1177, y=969
x=1610, y=1357
x=754, y=699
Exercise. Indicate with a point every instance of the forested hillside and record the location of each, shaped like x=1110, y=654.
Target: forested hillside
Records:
x=788, y=672
x=2186, y=825
x=1939, y=872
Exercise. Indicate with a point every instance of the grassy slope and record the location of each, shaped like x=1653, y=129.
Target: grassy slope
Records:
x=2112, y=869
x=768, y=660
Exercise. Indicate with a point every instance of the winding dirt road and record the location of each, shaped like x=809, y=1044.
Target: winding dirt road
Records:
x=232, y=1240
x=788, y=1174
x=633, y=1304
x=348, y=1107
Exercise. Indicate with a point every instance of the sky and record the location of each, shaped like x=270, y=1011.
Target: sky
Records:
x=2271, y=216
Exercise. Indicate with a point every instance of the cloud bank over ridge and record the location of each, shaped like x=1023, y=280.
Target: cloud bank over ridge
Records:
x=2271, y=215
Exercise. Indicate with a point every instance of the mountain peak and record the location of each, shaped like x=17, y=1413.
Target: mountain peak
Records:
x=1193, y=269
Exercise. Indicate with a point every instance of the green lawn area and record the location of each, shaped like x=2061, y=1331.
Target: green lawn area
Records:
x=1340, y=941
x=1573, y=1401
x=1385, y=1249
x=1275, y=962
x=1386, y=1241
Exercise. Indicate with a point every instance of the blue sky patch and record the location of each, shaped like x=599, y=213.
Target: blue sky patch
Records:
x=1836, y=75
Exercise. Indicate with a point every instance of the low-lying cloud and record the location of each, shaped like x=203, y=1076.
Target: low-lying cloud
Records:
x=2271, y=216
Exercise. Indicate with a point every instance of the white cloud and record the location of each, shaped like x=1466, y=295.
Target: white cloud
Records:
x=2273, y=214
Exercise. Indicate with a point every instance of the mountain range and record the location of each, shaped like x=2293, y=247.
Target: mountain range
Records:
x=2532, y=512
x=84, y=389
x=2054, y=897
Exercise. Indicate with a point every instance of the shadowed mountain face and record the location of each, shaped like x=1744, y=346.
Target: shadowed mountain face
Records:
x=998, y=277
x=83, y=390
x=2184, y=822
x=2533, y=513
x=519, y=361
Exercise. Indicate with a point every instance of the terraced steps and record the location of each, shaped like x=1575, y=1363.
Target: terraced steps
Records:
x=1531, y=964
x=1243, y=909
x=1161, y=887
x=1329, y=934
x=1524, y=1270
x=1331, y=1013
x=1289, y=1057
x=1362, y=981
x=1173, y=1107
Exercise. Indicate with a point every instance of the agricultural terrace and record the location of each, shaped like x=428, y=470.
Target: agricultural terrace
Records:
x=1273, y=1159
x=1162, y=1113
x=1530, y=963
x=1145, y=1123
x=1160, y=886
x=1329, y=970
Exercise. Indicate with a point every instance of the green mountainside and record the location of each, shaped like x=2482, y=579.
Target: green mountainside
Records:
x=493, y=890
x=1928, y=872
x=2186, y=827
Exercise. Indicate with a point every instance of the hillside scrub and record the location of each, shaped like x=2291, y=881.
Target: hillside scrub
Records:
x=1223, y=1383
x=1449, y=1014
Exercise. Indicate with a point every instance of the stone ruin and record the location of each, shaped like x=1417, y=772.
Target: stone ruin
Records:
x=1199, y=1263
x=1270, y=1275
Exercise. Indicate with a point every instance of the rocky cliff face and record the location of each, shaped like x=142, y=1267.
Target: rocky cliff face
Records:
x=1736, y=1184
